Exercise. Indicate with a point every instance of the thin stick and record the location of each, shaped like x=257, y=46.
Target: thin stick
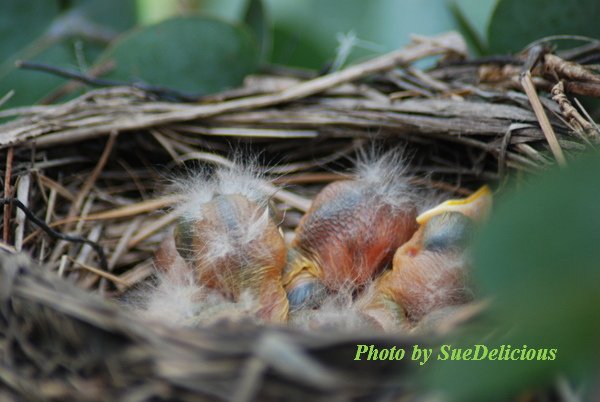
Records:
x=99, y=272
x=7, y=194
x=22, y=194
x=164, y=92
x=588, y=117
x=48, y=217
x=306, y=178
x=119, y=250
x=7, y=97
x=170, y=113
x=540, y=113
x=62, y=266
x=89, y=183
x=74, y=85
x=153, y=228
x=93, y=236
x=296, y=201
x=117, y=213
x=54, y=233
x=165, y=143
x=122, y=245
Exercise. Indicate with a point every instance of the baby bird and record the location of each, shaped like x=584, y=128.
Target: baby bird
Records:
x=430, y=271
x=351, y=231
x=227, y=236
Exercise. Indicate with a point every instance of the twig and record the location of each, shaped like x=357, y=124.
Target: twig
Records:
x=588, y=117
x=152, y=228
x=73, y=85
x=538, y=109
x=22, y=194
x=307, y=178
x=163, y=92
x=48, y=217
x=121, y=246
x=57, y=235
x=296, y=201
x=7, y=193
x=503, y=150
x=338, y=154
x=89, y=183
x=99, y=272
x=580, y=125
x=568, y=69
x=501, y=60
x=165, y=143
x=168, y=113
x=547, y=39
x=117, y=213
x=62, y=265
x=85, y=251
x=7, y=97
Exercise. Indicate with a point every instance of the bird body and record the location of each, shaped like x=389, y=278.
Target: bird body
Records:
x=351, y=231
x=431, y=270
x=227, y=237
x=344, y=246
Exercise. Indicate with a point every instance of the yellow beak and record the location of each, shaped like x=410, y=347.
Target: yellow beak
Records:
x=476, y=206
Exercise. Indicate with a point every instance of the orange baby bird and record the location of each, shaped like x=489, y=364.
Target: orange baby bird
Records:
x=351, y=231
x=431, y=270
x=227, y=236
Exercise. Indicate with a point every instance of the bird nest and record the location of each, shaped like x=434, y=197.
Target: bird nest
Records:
x=93, y=171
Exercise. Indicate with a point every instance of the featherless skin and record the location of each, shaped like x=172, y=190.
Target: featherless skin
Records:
x=430, y=271
x=226, y=235
x=336, y=271
x=351, y=231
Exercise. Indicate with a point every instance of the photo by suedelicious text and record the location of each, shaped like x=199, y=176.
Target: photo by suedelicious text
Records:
x=448, y=352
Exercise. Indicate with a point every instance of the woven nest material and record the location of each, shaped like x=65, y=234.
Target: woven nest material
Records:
x=96, y=165
x=61, y=343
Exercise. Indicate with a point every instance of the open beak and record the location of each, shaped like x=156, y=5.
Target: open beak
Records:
x=477, y=206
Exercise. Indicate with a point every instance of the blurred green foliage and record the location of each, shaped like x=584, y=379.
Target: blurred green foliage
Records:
x=516, y=23
x=308, y=34
x=187, y=66
x=21, y=25
x=257, y=19
x=69, y=34
x=538, y=260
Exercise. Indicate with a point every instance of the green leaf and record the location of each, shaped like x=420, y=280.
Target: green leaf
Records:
x=23, y=21
x=540, y=256
x=92, y=24
x=70, y=38
x=257, y=20
x=119, y=15
x=516, y=23
x=32, y=86
x=472, y=17
x=538, y=260
x=30, y=19
x=191, y=54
